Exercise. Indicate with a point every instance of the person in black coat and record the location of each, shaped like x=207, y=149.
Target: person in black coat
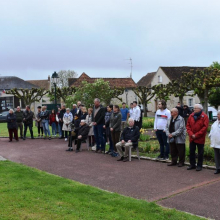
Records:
x=12, y=125
x=98, y=119
x=60, y=117
x=28, y=121
x=186, y=113
x=129, y=138
x=180, y=109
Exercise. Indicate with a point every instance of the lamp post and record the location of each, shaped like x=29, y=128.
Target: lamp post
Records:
x=55, y=78
x=126, y=92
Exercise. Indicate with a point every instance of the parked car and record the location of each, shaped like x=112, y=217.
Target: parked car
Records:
x=3, y=116
x=214, y=113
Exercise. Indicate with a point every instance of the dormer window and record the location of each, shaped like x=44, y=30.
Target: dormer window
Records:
x=159, y=79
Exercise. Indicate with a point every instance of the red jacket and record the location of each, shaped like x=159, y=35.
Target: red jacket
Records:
x=198, y=128
x=52, y=119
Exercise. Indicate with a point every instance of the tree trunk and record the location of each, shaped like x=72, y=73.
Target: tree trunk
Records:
x=181, y=100
x=206, y=101
x=145, y=109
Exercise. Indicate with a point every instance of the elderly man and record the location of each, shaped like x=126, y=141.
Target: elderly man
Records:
x=129, y=138
x=81, y=135
x=197, y=126
x=74, y=110
x=19, y=120
x=176, y=133
x=98, y=119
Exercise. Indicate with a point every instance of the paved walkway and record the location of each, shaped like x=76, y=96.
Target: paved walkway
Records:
x=190, y=191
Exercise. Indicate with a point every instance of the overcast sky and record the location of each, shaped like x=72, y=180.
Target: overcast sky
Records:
x=38, y=37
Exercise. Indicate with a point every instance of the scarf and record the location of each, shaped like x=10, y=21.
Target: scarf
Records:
x=196, y=115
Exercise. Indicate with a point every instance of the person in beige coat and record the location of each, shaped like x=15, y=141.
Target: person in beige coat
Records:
x=91, y=133
x=67, y=120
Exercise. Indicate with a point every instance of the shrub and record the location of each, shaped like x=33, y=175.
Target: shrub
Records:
x=148, y=123
x=144, y=137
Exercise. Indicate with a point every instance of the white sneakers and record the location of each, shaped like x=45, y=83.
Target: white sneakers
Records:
x=65, y=139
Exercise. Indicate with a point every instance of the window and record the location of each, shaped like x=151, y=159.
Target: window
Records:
x=190, y=102
x=159, y=79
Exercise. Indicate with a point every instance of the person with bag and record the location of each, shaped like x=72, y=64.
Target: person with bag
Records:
x=176, y=137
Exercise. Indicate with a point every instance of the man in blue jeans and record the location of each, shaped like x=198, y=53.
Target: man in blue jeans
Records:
x=98, y=119
x=161, y=117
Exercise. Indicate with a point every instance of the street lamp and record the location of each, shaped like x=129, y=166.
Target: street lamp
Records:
x=126, y=92
x=55, y=78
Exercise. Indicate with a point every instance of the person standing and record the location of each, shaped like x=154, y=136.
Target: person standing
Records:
x=83, y=113
x=67, y=120
x=19, y=120
x=125, y=115
x=186, y=113
x=131, y=111
x=61, y=114
x=161, y=117
x=28, y=122
x=91, y=133
x=215, y=141
x=106, y=127
x=98, y=119
x=53, y=123
x=74, y=110
x=176, y=137
x=115, y=127
x=12, y=125
x=197, y=126
x=38, y=122
x=180, y=109
x=136, y=114
x=45, y=122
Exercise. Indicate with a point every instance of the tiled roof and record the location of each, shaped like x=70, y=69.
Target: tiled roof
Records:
x=114, y=82
x=44, y=84
x=11, y=82
x=146, y=80
x=174, y=73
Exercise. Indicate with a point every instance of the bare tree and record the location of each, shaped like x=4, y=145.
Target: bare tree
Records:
x=64, y=75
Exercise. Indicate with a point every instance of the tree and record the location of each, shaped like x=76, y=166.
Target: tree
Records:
x=62, y=93
x=101, y=89
x=64, y=75
x=215, y=65
x=202, y=82
x=28, y=96
x=214, y=97
x=162, y=92
x=145, y=95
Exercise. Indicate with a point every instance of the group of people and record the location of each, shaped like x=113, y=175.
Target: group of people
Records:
x=171, y=129
x=117, y=126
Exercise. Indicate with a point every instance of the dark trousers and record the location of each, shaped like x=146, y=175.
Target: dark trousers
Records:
x=192, y=156
x=177, y=150
x=61, y=125
x=40, y=129
x=91, y=140
x=30, y=129
x=137, y=123
x=162, y=138
x=99, y=139
x=115, y=138
x=217, y=158
x=20, y=126
x=108, y=136
x=11, y=131
x=67, y=133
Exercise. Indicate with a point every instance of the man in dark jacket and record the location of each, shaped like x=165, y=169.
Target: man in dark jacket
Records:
x=129, y=138
x=28, y=121
x=19, y=120
x=186, y=113
x=98, y=119
x=60, y=116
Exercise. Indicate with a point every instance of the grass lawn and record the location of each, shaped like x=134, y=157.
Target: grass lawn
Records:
x=27, y=193
x=4, y=131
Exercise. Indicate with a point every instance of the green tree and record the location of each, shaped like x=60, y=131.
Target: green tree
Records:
x=28, y=95
x=214, y=97
x=101, y=89
x=162, y=91
x=144, y=94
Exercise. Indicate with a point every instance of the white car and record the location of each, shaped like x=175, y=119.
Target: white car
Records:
x=214, y=112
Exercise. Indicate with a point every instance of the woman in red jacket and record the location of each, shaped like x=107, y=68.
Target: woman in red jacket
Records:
x=197, y=126
x=53, y=122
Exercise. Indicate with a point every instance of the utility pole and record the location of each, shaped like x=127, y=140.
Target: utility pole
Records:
x=131, y=66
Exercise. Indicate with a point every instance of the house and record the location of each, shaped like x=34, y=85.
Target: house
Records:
x=163, y=76
x=128, y=96
x=8, y=101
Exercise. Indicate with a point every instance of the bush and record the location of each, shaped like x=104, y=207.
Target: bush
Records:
x=148, y=123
